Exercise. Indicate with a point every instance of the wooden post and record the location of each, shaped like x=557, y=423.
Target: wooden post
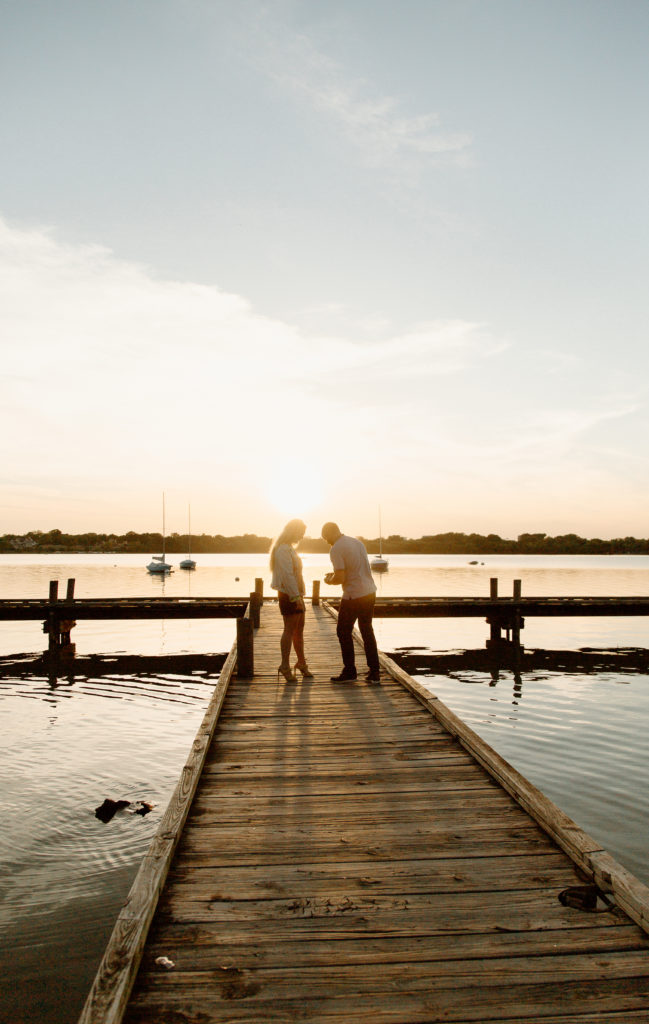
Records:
x=255, y=605
x=315, y=597
x=52, y=624
x=69, y=595
x=259, y=588
x=518, y=621
x=245, y=648
x=495, y=635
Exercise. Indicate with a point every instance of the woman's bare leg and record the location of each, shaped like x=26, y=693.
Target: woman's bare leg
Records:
x=298, y=639
x=286, y=640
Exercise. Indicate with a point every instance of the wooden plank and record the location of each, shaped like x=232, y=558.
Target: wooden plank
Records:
x=397, y=996
x=347, y=860
x=472, y=874
x=219, y=846
x=586, y=852
x=112, y=985
x=201, y=946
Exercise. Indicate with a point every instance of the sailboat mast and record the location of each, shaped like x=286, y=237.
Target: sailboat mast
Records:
x=380, y=535
x=163, y=526
x=189, y=537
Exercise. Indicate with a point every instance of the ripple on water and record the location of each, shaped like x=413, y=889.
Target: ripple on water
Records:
x=68, y=747
x=579, y=738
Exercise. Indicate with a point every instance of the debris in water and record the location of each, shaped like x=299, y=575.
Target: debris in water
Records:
x=109, y=809
x=142, y=807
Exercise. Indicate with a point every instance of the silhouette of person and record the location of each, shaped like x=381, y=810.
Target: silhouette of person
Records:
x=352, y=570
x=287, y=580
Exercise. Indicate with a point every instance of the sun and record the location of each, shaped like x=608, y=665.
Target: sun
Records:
x=295, y=491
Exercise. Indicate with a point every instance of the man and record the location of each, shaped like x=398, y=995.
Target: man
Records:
x=352, y=570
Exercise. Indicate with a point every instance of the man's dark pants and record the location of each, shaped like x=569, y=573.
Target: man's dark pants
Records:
x=350, y=610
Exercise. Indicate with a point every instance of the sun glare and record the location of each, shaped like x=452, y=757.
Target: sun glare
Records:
x=295, y=492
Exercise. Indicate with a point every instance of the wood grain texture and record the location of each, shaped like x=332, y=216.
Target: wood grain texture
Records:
x=355, y=853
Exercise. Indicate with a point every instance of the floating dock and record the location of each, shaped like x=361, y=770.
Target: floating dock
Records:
x=349, y=853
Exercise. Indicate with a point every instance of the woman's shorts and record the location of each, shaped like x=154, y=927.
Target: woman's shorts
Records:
x=286, y=606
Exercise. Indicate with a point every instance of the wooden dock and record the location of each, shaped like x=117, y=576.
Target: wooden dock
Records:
x=505, y=615
x=355, y=853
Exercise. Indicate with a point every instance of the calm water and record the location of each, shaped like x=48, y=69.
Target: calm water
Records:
x=580, y=738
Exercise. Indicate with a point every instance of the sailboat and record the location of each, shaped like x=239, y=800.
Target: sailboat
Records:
x=159, y=565
x=379, y=563
x=189, y=563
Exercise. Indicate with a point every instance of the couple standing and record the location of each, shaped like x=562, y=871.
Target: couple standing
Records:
x=351, y=569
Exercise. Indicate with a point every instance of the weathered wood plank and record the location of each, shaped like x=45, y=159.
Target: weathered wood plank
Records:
x=347, y=860
x=111, y=988
x=245, y=882
x=230, y=995
x=203, y=946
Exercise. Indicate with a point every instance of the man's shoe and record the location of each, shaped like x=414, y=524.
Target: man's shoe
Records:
x=373, y=677
x=344, y=677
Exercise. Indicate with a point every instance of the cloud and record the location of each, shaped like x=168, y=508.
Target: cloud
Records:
x=116, y=375
x=118, y=383
x=374, y=124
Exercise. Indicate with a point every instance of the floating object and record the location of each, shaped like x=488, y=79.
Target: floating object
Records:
x=106, y=811
x=142, y=807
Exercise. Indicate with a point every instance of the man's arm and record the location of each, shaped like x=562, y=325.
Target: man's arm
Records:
x=332, y=578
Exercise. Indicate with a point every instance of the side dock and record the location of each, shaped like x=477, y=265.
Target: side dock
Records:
x=351, y=852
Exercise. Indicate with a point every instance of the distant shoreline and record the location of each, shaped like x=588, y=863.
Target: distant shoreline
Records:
x=56, y=542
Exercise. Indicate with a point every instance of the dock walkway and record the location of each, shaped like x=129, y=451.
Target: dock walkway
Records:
x=345, y=858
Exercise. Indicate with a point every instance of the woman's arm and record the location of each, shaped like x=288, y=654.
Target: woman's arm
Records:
x=286, y=572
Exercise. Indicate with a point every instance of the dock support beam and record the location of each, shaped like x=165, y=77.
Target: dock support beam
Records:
x=506, y=616
x=245, y=648
x=315, y=596
x=57, y=628
x=255, y=609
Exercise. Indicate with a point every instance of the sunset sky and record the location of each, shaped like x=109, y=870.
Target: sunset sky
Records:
x=309, y=257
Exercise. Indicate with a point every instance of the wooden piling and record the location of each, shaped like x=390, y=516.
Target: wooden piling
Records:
x=517, y=621
x=495, y=635
x=255, y=607
x=245, y=648
x=315, y=596
x=259, y=588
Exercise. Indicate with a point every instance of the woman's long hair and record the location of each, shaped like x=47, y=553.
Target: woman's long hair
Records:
x=292, y=532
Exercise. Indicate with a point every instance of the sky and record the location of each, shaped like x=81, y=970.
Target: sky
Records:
x=278, y=258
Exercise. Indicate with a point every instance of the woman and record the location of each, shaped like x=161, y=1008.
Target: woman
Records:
x=287, y=580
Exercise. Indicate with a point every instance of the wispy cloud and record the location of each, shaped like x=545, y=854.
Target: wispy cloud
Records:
x=374, y=123
x=118, y=382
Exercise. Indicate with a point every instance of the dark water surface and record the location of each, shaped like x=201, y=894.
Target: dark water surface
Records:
x=580, y=735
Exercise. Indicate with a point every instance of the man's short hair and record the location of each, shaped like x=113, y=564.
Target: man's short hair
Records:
x=330, y=529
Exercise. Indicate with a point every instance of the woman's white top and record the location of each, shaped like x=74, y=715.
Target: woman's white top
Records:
x=287, y=573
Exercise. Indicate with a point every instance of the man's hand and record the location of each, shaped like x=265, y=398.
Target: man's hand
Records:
x=333, y=578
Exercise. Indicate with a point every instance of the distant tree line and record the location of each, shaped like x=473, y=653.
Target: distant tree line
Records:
x=52, y=541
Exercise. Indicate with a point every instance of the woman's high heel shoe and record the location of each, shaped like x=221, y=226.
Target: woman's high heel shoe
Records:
x=285, y=670
x=304, y=670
